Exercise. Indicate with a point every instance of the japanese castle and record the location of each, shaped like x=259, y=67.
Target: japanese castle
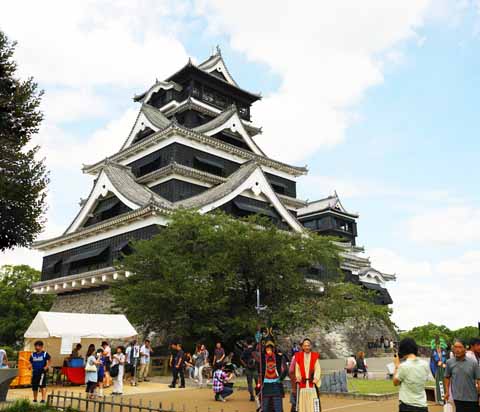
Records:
x=193, y=146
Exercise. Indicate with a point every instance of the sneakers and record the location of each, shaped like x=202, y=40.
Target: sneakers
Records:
x=221, y=398
x=171, y=386
x=252, y=398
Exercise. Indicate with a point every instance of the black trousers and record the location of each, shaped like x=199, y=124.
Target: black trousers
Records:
x=462, y=406
x=178, y=372
x=410, y=408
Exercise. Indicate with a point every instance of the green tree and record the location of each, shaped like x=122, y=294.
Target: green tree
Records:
x=23, y=178
x=198, y=278
x=466, y=333
x=424, y=334
x=18, y=304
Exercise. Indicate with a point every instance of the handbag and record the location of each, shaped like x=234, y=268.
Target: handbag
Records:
x=90, y=367
x=114, y=370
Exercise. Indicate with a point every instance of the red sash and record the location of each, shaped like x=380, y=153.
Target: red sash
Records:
x=307, y=378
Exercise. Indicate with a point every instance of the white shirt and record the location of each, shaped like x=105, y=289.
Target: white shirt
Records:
x=145, y=354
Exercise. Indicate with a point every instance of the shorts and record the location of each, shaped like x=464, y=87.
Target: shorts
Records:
x=91, y=387
x=101, y=375
x=39, y=380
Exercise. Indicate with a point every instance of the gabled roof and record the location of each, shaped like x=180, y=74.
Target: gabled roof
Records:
x=190, y=66
x=148, y=116
x=193, y=104
x=248, y=177
x=119, y=180
x=216, y=63
x=158, y=85
x=229, y=119
x=174, y=130
x=332, y=203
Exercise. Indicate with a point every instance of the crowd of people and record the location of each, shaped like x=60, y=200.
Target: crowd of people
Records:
x=103, y=367
x=265, y=366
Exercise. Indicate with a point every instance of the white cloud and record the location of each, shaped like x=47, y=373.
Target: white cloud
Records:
x=69, y=104
x=87, y=43
x=447, y=226
x=327, y=53
x=426, y=291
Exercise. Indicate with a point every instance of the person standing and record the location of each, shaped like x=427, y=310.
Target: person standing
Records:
x=464, y=375
x=39, y=363
x=145, y=359
x=100, y=371
x=249, y=360
x=274, y=371
x=3, y=359
x=475, y=348
x=411, y=374
x=178, y=367
x=307, y=374
x=107, y=352
x=91, y=372
x=201, y=360
x=218, y=354
x=118, y=359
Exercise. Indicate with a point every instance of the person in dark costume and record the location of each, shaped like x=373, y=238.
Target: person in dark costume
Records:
x=273, y=372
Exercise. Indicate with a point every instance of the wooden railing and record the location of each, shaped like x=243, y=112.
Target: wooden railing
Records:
x=66, y=401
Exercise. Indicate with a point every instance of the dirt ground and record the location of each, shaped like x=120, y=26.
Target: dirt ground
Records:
x=201, y=400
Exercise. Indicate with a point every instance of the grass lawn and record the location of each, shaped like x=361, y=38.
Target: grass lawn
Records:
x=369, y=386
x=365, y=386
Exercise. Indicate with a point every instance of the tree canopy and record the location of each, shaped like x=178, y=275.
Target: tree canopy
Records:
x=23, y=178
x=198, y=278
x=424, y=334
x=18, y=304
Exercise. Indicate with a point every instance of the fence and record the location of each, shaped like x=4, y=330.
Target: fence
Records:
x=80, y=402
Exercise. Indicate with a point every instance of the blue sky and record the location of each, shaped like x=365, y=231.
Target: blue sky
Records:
x=380, y=101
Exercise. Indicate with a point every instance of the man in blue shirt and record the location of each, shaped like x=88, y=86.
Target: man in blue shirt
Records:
x=39, y=363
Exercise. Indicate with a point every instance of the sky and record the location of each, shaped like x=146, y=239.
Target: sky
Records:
x=379, y=99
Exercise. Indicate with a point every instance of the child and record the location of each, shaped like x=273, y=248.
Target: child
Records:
x=39, y=363
x=100, y=371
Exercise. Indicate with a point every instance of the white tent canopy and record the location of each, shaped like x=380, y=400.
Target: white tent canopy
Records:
x=79, y=325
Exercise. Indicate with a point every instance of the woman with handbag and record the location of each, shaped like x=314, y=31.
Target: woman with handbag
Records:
x=91, y=375
x=117, y=370
x=411, y=374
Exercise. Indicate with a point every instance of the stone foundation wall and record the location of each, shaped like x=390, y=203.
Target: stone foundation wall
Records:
x=341, y=340
x=92, y=301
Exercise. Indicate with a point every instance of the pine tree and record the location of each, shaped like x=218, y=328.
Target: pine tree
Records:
x=23, y=178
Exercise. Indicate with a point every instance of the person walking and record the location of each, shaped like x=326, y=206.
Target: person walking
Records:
x=463, y=374
x=39, y=363
x=91, y=372
x=178, y=367
x=411, y=373
x=145, y=359
x=201, y=360
x=118, y=359
x=249, y=360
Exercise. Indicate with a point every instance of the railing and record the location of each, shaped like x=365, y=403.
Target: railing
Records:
x=67, y=401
